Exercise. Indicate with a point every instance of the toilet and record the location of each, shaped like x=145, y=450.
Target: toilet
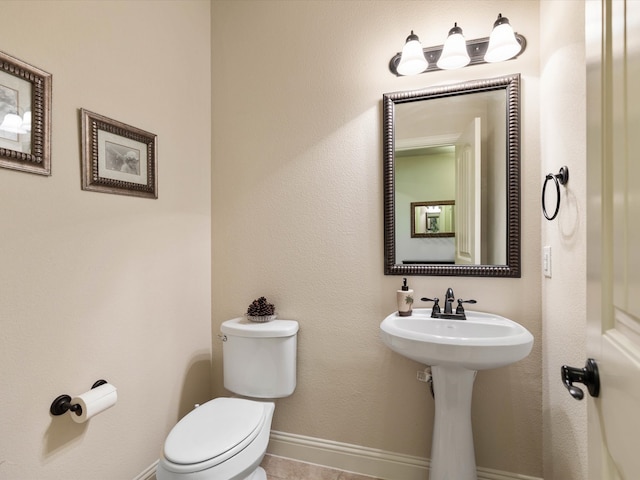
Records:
x=226, y=438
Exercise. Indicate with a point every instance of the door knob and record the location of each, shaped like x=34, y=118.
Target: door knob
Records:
x=587, y=376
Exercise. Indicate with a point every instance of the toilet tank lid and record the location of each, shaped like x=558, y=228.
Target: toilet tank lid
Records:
x=242, y=327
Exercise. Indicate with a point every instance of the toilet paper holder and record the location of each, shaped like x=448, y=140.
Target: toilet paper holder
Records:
x=62, y=404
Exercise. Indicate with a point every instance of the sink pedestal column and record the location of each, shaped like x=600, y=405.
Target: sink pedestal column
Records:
x=452, y=453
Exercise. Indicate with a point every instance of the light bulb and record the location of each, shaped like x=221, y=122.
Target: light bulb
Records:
x=412, y=60
x=502, y=42
x=12, y=123
x=454, y=53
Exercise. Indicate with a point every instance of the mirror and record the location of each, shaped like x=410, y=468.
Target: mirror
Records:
x=460, y=143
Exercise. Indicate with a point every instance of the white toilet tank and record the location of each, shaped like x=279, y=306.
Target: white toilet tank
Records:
x=259, y=359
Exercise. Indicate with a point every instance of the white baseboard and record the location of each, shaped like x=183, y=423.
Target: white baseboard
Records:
x=364, y=460
x=354, y=458
x=149, y=473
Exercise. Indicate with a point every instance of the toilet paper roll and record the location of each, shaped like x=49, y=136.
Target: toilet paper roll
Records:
x=93, y=402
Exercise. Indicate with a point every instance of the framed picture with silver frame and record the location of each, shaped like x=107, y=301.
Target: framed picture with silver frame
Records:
x=117, y=158
x=25, y=116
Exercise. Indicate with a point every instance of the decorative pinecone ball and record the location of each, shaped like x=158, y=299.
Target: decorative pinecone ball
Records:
x=260, y=307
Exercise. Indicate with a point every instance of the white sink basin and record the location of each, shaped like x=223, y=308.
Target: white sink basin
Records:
x=482, y=341
x=455, y=349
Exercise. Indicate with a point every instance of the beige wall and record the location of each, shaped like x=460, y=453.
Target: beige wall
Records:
x=297, y=215
x=563, y=125
x=106, y=286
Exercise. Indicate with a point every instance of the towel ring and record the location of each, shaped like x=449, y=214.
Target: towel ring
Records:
x=560, y=178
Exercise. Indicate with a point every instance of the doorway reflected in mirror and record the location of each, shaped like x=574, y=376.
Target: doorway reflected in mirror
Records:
x=460, y=143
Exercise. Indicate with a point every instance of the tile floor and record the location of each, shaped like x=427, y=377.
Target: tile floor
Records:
x=279, y=468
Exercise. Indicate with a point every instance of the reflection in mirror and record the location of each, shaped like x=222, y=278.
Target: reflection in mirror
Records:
x=15, y=113
x=25, y=116
x=432, y=219
x=459, y=143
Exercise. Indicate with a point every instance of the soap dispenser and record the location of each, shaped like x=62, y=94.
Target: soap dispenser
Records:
x=405, y=299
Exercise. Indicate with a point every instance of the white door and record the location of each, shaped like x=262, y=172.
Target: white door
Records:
x=613, y=244
x=468, y=195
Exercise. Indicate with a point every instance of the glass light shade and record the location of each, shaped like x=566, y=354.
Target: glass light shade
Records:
x=502, y=42
x=26, y=121
x=454, y=53
x=12, y=123
x=412, y=60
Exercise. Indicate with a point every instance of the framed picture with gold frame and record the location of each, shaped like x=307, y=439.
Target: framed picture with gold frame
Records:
x=25, y=116
x=117, y=158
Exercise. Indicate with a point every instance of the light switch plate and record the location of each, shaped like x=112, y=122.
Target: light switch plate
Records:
x=546, y=261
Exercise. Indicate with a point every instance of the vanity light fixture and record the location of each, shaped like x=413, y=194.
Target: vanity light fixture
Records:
x=14, y=123
x=503, y=44
x=26, y=121
x=454, y=52
x=412, y=59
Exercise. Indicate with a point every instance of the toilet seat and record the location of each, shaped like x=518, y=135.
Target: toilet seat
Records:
x=213, y=433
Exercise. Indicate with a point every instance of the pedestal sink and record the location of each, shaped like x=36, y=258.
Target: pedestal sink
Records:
x=455, y=350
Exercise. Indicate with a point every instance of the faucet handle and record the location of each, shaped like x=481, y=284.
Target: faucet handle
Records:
x=436, y=304
x=460, y=308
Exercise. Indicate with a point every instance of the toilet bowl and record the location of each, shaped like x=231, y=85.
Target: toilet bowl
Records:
x=226, y=438
x=223, y=439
